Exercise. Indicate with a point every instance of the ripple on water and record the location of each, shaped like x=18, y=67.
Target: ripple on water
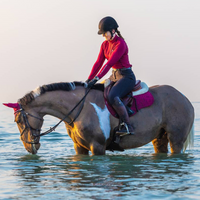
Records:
x=56, y=173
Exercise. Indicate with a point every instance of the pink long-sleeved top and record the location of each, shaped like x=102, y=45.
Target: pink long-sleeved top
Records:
x=116, y=52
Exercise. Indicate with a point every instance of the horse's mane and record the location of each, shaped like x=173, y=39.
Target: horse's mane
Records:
x=64, y=86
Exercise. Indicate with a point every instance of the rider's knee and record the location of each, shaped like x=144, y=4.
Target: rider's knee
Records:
x=112, y=98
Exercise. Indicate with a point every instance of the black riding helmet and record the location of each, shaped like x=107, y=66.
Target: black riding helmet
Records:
x=107, y=24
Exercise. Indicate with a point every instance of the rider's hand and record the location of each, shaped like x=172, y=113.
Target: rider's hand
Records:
x=92, y=82
x=86, y=83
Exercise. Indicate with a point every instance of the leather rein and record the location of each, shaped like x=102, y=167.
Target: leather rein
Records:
x=34, y=137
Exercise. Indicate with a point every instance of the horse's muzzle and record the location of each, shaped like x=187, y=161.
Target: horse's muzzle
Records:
x=33, y=148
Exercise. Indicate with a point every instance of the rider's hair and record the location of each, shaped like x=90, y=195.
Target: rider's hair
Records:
x=119, y=34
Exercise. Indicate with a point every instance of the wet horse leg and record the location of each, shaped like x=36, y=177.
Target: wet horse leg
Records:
x=161, y=143
x=80, y=150
x=176, y=146
x=177, y=137
x=97, y=148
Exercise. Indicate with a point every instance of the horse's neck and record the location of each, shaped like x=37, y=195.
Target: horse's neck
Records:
x=55, y=103
x=60, y=103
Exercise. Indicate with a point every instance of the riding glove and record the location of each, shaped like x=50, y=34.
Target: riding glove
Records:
x=93, y=81
x=87, y=81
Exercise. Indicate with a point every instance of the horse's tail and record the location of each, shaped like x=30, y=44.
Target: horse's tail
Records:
x=190, y=139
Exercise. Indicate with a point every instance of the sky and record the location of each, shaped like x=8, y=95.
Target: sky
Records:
x=47, y=41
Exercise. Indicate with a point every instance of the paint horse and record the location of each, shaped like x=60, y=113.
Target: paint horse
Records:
x=169, y=120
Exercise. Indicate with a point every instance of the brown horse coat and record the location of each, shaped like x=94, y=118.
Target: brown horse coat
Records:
x=169, y=120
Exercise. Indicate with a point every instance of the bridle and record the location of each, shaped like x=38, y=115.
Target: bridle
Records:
x=28, y=126
x=35, y=136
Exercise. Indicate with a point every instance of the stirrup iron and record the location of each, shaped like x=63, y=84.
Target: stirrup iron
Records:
x=127, y=129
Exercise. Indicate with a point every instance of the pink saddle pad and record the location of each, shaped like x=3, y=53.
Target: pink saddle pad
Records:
x=139, y=102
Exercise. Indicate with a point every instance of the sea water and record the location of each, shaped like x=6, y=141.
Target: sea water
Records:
x=57, y=173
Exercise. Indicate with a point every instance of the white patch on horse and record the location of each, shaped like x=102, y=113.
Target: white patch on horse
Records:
x=36, y=92
x=104, y=119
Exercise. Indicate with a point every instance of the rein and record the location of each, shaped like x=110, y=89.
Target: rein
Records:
x=27, y=125
x=53, y=128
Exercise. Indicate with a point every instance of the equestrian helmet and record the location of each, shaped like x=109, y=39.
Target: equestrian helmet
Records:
x=107, y=24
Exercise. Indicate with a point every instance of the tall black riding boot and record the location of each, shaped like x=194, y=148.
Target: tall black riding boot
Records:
x=125, y=127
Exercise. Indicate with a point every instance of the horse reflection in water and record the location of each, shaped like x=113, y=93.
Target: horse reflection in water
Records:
x=114, y=173
x=169, y=120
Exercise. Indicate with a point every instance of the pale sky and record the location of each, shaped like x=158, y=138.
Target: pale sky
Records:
x=46, y=41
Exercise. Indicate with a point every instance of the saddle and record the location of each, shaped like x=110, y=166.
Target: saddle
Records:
x=138, y=98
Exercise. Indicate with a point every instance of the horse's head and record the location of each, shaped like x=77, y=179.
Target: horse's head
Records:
x=29, y=124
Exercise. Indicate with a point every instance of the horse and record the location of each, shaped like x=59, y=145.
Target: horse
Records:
x=90, y=125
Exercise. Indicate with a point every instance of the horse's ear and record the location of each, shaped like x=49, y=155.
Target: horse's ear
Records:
x=15, y=106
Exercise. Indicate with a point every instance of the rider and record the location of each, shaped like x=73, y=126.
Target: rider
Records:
x=115, y=50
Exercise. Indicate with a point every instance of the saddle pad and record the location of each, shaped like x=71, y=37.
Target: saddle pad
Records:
x=139, y=102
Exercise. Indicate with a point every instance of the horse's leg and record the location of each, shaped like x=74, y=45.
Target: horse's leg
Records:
x=176, y=147
x=177, y=138
x=177, y=135
x=161, y=143
x=97, y=148
x=80, y=150
x=176, y=143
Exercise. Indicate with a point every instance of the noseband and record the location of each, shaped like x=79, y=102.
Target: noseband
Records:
x=28, y=126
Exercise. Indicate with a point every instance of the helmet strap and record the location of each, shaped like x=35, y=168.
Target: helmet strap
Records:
x=112, y=34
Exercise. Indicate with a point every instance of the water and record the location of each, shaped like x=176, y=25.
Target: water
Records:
x=57, y=173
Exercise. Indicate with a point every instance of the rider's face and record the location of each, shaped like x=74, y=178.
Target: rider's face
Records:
x=107, y=35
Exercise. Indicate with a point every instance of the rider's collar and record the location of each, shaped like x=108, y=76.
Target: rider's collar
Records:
x=114, y=39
